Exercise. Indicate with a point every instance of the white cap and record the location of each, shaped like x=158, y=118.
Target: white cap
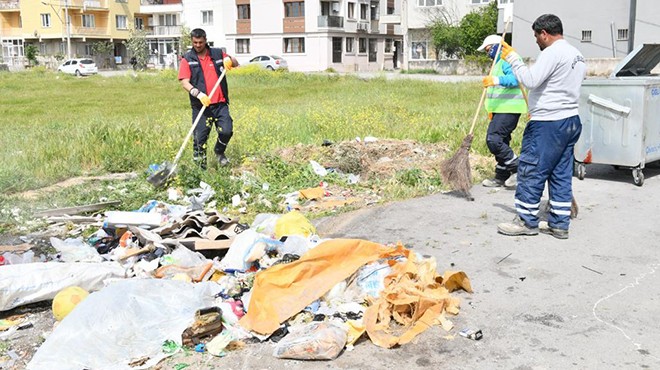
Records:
x=490, y=40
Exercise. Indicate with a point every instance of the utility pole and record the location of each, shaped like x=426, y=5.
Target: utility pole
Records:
x=68, y=29
x=66, y=24
x=631, y=25
x=404, y=29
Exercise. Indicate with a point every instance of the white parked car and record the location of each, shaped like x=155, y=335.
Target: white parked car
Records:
x=79, y=67
x=271, y=62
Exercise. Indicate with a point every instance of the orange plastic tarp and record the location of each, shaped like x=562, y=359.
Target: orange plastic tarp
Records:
x=282, y=291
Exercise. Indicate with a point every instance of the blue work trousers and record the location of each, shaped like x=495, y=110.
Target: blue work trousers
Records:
x=214, y=115
x=498, y=139
x=547, y=155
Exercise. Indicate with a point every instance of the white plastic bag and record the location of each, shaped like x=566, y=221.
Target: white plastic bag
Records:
x=75, y=250
x=35, y=282
x=125, y=321
x=313, y=341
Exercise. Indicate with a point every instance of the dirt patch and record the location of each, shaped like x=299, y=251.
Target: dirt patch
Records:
x=34, y=194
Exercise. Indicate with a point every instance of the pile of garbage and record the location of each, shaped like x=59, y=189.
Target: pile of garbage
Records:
x=169, y=277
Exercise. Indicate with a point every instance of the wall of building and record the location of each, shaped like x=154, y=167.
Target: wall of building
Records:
x=192, y=18
x=598, y=16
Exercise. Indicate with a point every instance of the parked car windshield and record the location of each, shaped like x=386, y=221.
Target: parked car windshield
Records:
x=275, y=57
x=86, y=61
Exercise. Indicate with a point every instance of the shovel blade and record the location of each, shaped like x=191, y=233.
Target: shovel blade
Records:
x=160, y=177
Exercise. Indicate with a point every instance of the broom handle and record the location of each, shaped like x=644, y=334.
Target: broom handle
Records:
x=492, y=66
x=199, y=116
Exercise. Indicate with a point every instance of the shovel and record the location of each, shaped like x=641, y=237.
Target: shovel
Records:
x=166, y=169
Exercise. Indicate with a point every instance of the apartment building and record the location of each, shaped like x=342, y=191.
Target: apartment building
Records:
x=598, y=28
x=162, y=23
x=64, y=27
x=345, y=35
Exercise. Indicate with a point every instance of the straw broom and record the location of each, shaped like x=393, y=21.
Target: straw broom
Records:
x=456, y=170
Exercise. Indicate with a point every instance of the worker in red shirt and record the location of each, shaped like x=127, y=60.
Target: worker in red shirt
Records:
x=200, y=69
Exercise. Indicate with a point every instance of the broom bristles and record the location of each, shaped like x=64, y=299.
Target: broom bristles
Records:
x=456, y=170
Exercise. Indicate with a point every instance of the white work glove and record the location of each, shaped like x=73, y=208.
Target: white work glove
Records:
x=206, y=101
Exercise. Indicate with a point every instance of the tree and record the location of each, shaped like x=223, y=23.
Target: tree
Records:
x=476, y=25
x=103, y=50
x=31, y=53
x=137, y=47
x=185, y=42
x=446, y=38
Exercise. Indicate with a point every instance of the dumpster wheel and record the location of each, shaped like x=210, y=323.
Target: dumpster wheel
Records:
x=638, y=176
x=580, y=170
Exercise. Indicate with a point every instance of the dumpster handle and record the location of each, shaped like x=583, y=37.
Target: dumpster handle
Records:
x=595, y=100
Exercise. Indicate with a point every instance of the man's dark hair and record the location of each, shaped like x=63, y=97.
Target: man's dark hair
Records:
x=198, y=33
x=550, y=23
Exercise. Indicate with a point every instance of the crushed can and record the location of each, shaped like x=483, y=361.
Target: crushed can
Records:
x=471, y=334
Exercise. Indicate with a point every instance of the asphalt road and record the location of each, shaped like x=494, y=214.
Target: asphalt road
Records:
x=588, y=302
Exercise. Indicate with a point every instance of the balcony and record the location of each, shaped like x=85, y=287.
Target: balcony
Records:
x=89, y=31
x=375, y=26
x=390, y=19
x=160, y=6
x=331, y=21
x=6, y=32
x=85, y=4
x=9, y=5
x=164, y=31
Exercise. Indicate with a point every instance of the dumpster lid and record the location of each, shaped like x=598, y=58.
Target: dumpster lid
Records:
x=639, y=62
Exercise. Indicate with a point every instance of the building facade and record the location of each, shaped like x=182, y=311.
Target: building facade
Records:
x=162, y=22
x=344, y=35
x=67, y=28
x=598, y=28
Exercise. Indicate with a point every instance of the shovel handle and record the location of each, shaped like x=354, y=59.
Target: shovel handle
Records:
x=194, y=125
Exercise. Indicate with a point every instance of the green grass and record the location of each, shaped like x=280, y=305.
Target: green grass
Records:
x=54, y=126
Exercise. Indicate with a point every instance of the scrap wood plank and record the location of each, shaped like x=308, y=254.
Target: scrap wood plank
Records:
x=77, y=209
x=15, y=248
x=204, y=244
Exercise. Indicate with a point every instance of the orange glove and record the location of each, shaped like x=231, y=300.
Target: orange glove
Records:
x=490, y=116
x=491, y=81
x=228, y=63
x=203, y=98
x=507, y=50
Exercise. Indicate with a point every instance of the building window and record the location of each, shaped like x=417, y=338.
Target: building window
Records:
x=586, y=36
x=294, y=9
x=418, y=50
x=502, y=2
x=45, y=20
x=242, y=46
x=430, y=2
x=388, y=45
x=622, y=34
x=243, y=11
x=89, y=50
x=139, y=23
x=390, y=10
x=42, y=48
x=122, y=22
x=88, y=21
x=167, y=20
x=351, y=10
x=207, y=17
x=362, y=45
x=373, y=50
x=350, y=41
x=294, y=45
x=476, y=2
x=364, y=10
